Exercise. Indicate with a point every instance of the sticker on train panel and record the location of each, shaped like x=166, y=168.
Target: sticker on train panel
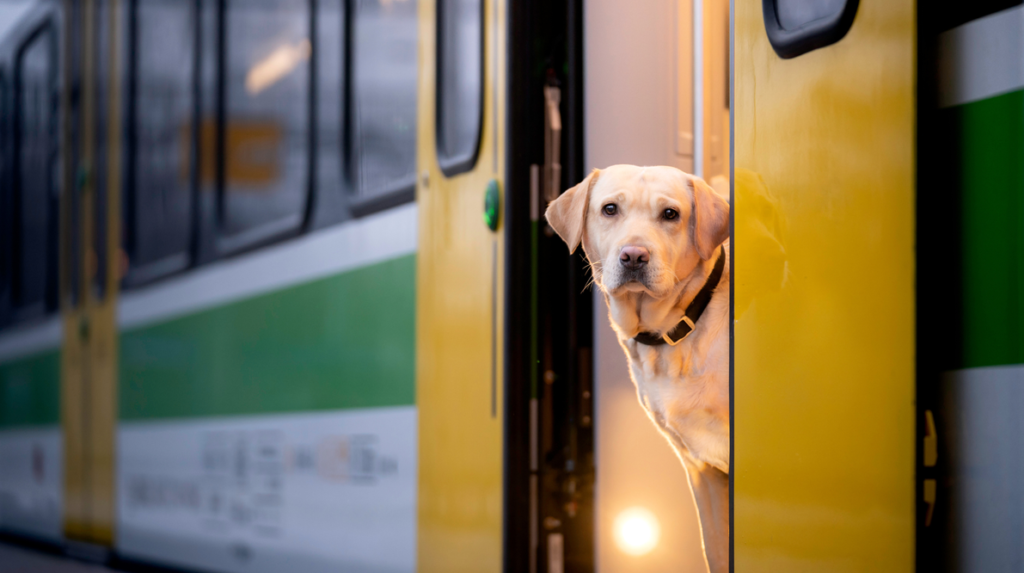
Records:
x=492, y=205
x=796, y=27
x=272, y=492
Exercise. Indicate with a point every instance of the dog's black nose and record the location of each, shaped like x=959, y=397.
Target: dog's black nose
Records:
x=634, y=258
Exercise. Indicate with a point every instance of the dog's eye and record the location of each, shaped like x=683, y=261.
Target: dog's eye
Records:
x=610, y=209
x=670, y=214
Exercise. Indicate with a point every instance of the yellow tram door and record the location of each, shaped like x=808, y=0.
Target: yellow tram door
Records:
x=89, y=226
x=459, y=286
x=824, y=419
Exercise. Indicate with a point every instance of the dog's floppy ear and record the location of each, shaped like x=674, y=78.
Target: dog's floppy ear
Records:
x=711, y=213
x=567, y=215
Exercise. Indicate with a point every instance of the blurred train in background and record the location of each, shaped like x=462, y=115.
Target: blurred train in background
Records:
x=264, y=285
x=276, y=294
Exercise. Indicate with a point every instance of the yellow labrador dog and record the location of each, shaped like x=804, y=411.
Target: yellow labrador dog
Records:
x=656, y=240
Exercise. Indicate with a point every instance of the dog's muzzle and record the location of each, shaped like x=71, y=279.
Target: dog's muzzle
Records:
x=637, y=275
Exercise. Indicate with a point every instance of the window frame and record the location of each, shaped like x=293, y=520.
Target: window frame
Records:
x=809, y=37
x=267, y=233
x=207, y=226
x=50, y=304
x=452, y=166
x=172, y=264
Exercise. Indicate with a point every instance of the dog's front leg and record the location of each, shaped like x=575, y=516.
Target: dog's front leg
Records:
x=710, y=488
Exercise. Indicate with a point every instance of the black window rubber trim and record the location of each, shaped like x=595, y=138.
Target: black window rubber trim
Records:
x=452, y=165
x=811, y=36
x=46, y=26
x=145, y=274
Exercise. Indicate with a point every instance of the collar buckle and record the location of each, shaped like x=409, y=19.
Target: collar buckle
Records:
x=668, y=340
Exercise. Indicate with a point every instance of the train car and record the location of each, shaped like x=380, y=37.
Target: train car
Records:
x=264, y=285
x=276, y=291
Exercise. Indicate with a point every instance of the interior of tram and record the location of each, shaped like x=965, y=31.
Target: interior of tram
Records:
x=671, y=61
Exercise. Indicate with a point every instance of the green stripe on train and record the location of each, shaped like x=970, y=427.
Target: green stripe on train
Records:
x=346, y=341
x=991, y=166
x=30, y=390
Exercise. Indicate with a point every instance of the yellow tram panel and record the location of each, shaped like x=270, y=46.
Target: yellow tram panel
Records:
x=459, y=306
x=824, y=297
x=89, y=347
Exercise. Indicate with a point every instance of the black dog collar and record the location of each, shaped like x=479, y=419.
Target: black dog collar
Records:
x=693, y=311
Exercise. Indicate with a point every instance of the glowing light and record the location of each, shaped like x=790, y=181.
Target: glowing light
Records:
x=277, y=65
x=637, y=531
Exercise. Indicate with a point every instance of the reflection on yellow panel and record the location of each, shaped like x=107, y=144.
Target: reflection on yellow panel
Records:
x=458, y=341
x=824, y=270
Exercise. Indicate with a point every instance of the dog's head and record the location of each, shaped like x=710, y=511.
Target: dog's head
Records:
x=642, y=228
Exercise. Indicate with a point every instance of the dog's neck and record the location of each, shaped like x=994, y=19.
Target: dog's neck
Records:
x=635, y=312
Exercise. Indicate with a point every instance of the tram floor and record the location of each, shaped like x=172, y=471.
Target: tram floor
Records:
x=14, y=559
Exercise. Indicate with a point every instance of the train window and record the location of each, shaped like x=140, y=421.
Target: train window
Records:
x=158, y=202
x=264, y=139
x=796, y=27
x=330, y=45
x=383, y=106
x=460, y=72
x=35, y=174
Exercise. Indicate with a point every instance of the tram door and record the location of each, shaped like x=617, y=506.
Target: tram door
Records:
x=824, y=267
x=460, y=274
x=89, y=218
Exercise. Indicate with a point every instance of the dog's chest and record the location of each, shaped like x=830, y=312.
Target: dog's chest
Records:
x=688, y=400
